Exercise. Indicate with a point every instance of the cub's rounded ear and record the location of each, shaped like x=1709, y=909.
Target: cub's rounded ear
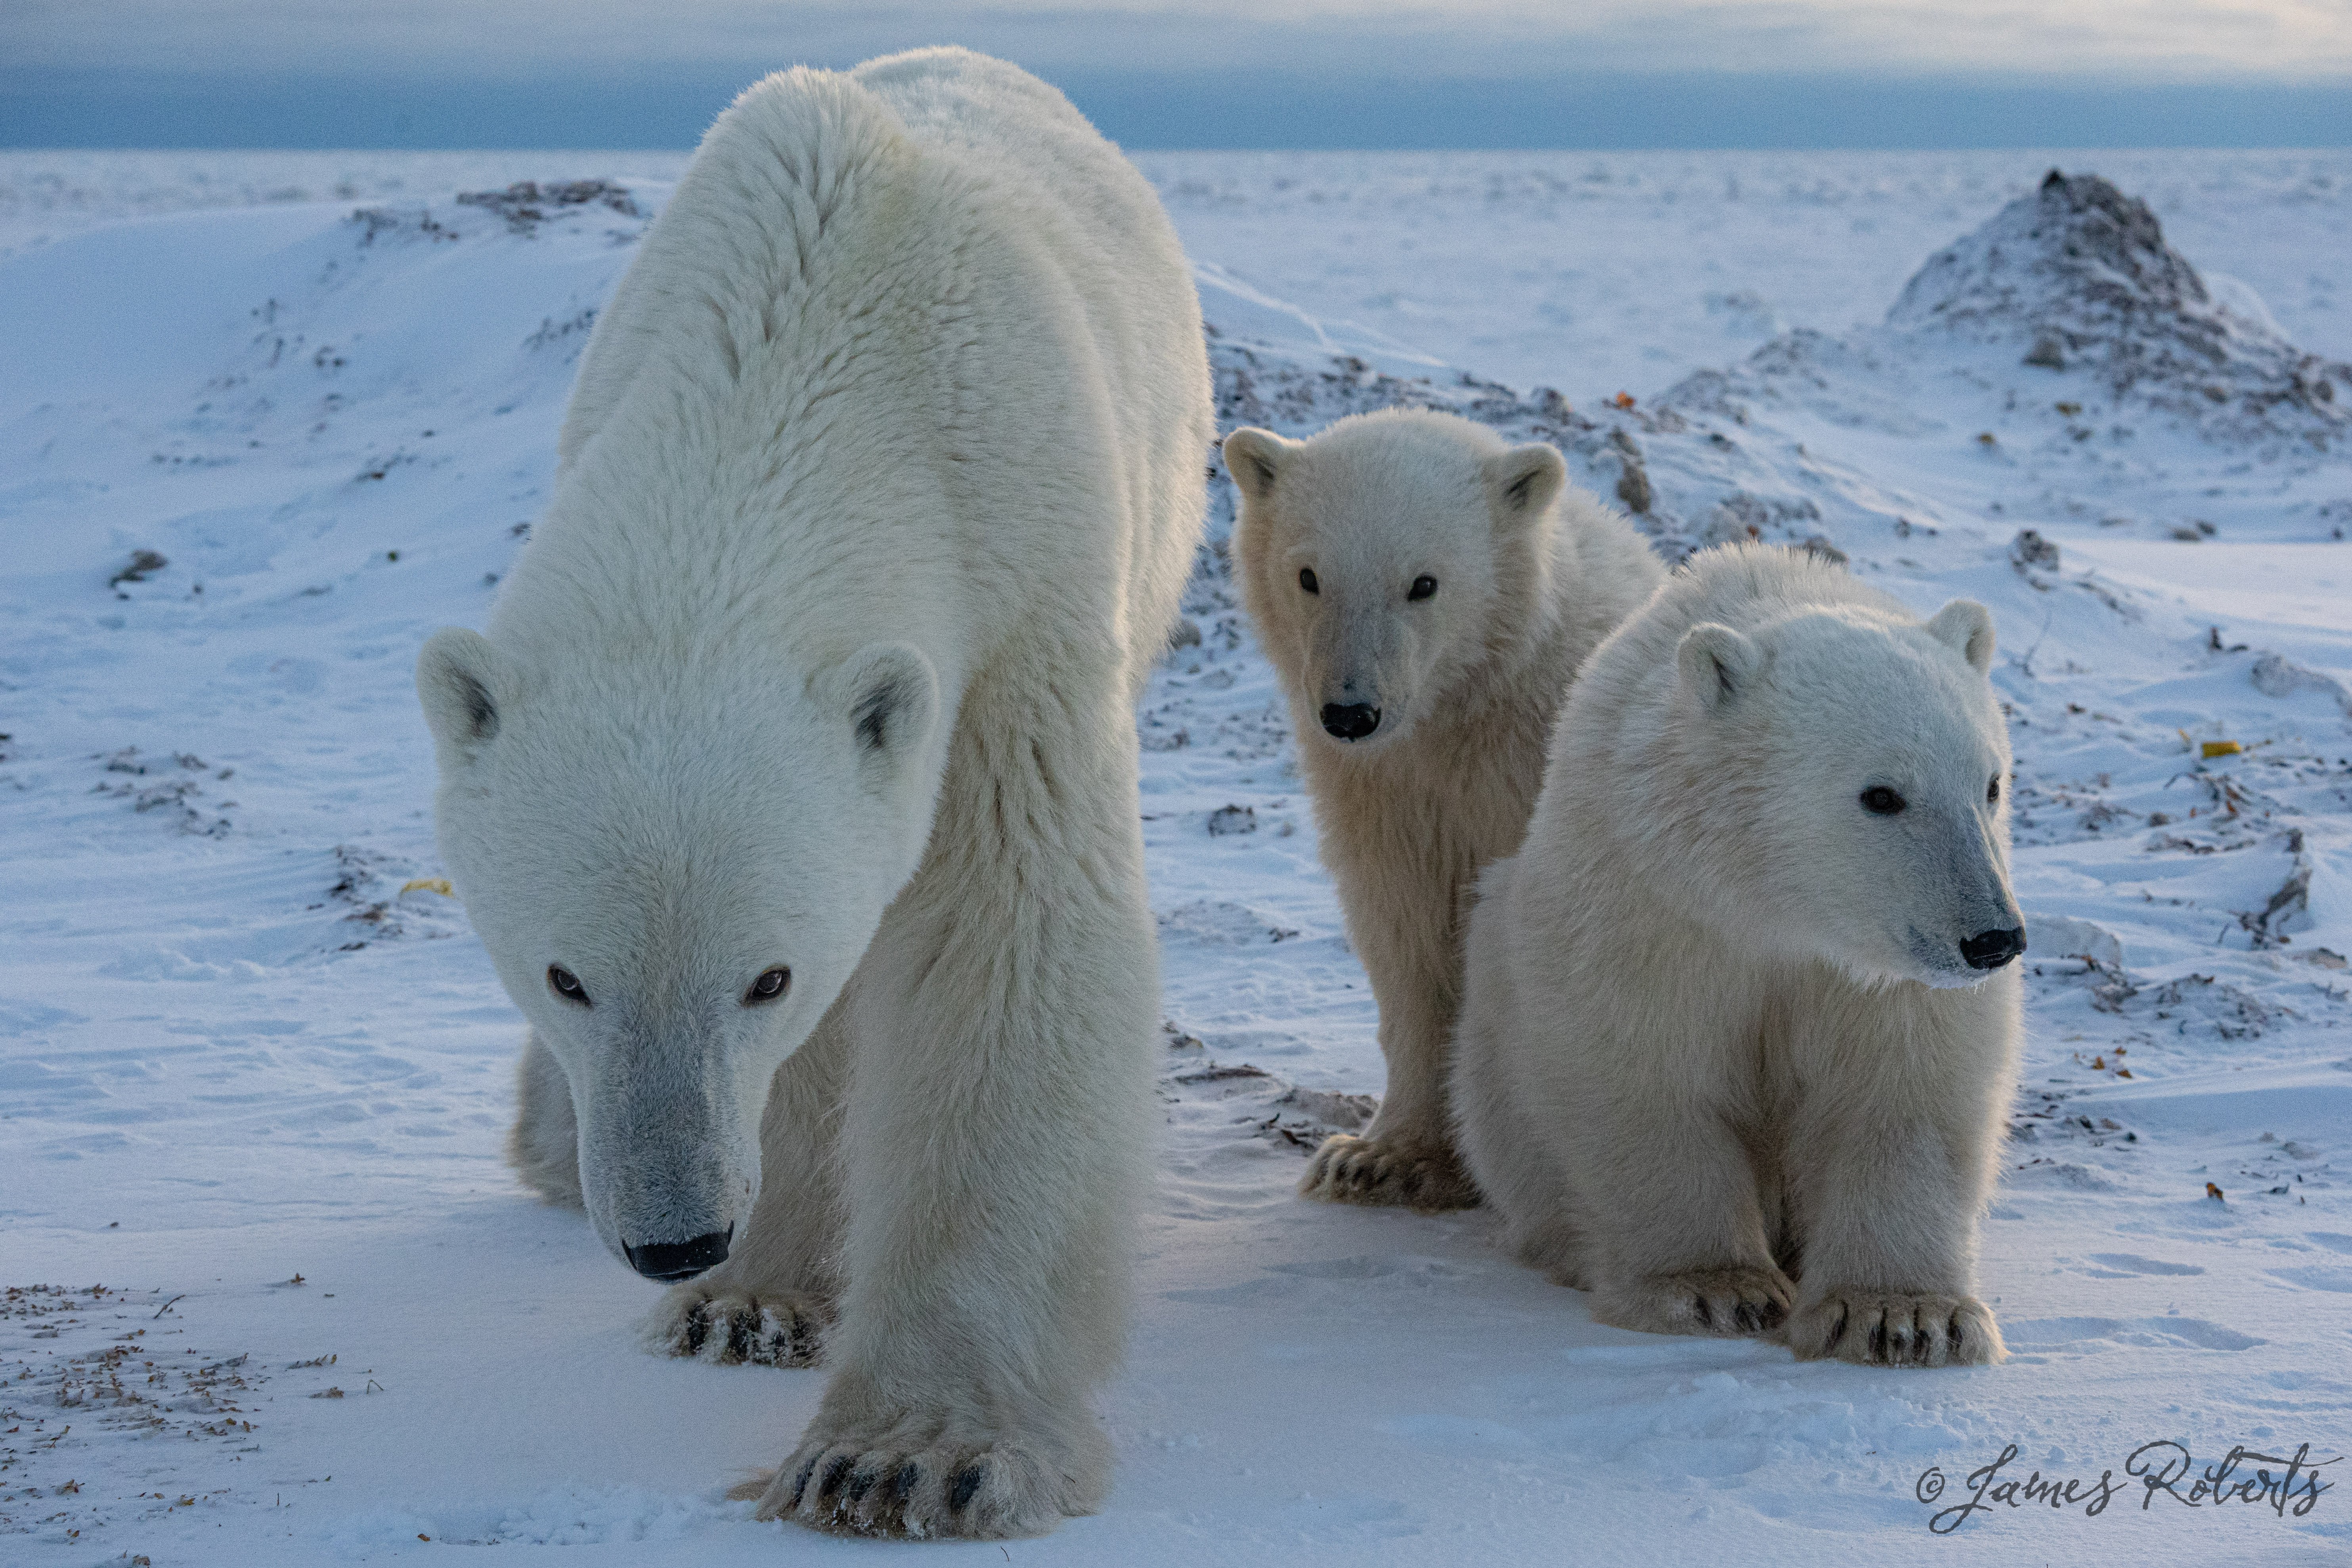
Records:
x=1255, y=457
x=1966, y=627
x=890, y=697
x=464, y=683
x=1716, y=663
x=1522, y=483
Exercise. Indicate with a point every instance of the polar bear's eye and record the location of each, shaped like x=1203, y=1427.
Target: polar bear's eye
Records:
x=1992, y=790
x=1422, y=588
x=1885, y=802
x=768, y=986
x=1307, y=580
x=566, y=984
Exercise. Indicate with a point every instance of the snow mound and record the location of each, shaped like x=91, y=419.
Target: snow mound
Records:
x=2078, y=275
x=1297, y=391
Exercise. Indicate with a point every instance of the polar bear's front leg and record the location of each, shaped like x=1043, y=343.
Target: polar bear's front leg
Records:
x=1407, y=1172
x=1665, y=1183
x=1406, y=1158
x=772, y=1299
x=1889, y=1230
x=1895, y=1329
x=996, y=1136
x=1888, y=1170
x=1731, y=1301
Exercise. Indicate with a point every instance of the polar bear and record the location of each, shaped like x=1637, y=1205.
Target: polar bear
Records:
x=793, y=790
x=1741, y=1025
x=1426, y=592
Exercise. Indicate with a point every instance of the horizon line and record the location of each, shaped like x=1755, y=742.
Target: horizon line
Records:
x=1264, y=110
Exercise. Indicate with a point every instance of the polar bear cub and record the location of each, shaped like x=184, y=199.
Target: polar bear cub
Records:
x=1742, y=1025
x=1426, y=593
x=793, y=790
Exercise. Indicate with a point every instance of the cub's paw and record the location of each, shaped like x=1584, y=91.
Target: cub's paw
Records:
x=1874, y=1327
x=979, y=1493
x=729, y=1326
x=1388, y=1172
x=1726, y=1302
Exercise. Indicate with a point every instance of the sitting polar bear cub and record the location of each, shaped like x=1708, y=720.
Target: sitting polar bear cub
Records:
x=1426, y=594
x=793, y=789
x=1741, y=1031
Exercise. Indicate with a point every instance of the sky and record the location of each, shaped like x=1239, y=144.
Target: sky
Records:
x=1206, y=73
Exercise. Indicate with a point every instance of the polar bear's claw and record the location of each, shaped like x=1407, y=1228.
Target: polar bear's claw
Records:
x=1881, y=1329
x=733, y=1328
x=986, y=1494
x=1730, y=1303
x=1387, y=1172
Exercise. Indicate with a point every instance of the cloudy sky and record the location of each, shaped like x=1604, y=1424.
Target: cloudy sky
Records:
x=1183, y=72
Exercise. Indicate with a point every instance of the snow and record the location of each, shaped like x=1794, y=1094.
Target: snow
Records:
x=235, y=1034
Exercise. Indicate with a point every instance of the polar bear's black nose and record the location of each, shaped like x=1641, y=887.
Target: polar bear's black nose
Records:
x=1991, y=949
x=1352, y=721
x=679, y=1259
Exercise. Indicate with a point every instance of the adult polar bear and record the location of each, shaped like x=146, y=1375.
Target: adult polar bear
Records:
x=797, y=773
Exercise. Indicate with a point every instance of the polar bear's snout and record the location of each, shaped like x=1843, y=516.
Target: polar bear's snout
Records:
x=1987, y=931
x=669, y=1156
x=669, y=1209
x=1991, y=949
x=674, y=1260
x=1960, y=918
x=1359, y=676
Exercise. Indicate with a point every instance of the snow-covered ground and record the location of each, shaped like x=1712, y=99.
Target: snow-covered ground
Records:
x=253, y=1082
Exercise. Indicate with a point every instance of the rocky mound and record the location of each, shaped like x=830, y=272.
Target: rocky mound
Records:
x=2078, y=277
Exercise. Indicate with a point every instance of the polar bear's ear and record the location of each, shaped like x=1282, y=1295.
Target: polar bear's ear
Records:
x=1966, y=627
x=891, y=699
x=1254, y=457
x=462, y=680
x=1716, y=663
x=1523, y=482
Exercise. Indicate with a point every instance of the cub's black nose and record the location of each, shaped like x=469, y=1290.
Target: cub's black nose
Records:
x=679, y=1259
x=1991, y=949
x=1352, y=721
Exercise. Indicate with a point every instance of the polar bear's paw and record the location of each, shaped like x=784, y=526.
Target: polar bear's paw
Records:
x=731, y=1327
x=1726, y=1302
x=843, y=1485
x=1876, y=1328
x=1389, y=1172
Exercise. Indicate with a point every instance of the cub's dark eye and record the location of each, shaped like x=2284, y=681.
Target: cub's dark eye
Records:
x=770, y=984
x=566, y=984
x=1423, y=587
x=1307, y=580
x=1992, y=790
x=1885, y=802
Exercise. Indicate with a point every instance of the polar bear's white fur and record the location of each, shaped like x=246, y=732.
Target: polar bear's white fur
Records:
x=1739, y=1040
x=883, y=474
x=1410, y=572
